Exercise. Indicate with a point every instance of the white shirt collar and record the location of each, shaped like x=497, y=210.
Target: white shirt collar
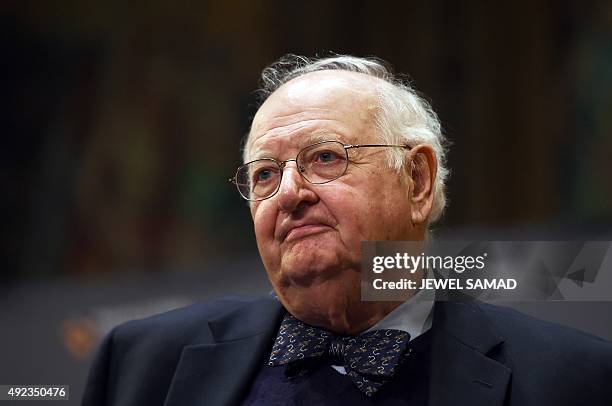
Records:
x=413, y=316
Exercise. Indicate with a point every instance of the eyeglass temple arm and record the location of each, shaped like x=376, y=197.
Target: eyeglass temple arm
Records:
x=376, y=145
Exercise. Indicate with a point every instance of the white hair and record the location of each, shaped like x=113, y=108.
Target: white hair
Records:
x=404, y=117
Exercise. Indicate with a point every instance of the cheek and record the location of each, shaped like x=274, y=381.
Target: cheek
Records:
x=350, y=211
x=372, y=215
x=397, y=222
x=264, y=221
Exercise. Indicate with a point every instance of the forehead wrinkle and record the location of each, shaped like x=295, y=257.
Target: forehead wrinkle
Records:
x=311, y=137
x=267, y=125
x=293, y=129
x=292, y=118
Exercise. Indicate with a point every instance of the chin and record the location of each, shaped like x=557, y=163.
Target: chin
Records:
x=306, y=267
x=308, y=276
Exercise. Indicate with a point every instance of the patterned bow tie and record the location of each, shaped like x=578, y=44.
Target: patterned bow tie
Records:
x=369, y=359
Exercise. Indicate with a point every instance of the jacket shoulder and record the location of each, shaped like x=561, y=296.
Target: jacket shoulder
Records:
x=535, y=333
x=145, y=353
x=180, y=326
x=546, y=356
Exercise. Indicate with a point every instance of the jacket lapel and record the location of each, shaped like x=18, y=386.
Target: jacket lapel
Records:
x=464, y=370
x=217, y=373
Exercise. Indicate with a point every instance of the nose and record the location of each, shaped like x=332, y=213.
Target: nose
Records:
x=294, y=191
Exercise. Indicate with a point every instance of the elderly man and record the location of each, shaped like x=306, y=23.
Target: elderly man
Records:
x=341, y=152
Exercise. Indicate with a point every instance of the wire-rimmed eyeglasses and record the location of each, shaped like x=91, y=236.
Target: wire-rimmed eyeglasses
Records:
x=318, y=163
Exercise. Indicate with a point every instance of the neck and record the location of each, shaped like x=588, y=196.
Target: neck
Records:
x=333, y=311
x=360, y=317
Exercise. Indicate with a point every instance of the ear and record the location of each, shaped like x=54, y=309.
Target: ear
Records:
x=423, y=171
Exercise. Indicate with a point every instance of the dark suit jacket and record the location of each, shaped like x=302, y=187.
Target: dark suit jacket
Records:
x=208, y=354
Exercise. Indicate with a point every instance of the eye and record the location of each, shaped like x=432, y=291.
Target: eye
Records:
x=264, y=175
x=326, y=157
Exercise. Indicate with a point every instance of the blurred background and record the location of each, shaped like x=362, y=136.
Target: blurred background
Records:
x=121, y=123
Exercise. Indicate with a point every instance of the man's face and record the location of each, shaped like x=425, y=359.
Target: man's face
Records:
x=309, y=236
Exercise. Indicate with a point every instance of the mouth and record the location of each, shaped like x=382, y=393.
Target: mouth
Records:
x=306, y=230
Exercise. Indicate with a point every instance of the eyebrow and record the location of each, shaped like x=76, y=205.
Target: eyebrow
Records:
x=309, y=139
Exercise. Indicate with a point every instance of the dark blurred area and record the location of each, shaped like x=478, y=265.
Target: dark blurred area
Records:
x=121, y=123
